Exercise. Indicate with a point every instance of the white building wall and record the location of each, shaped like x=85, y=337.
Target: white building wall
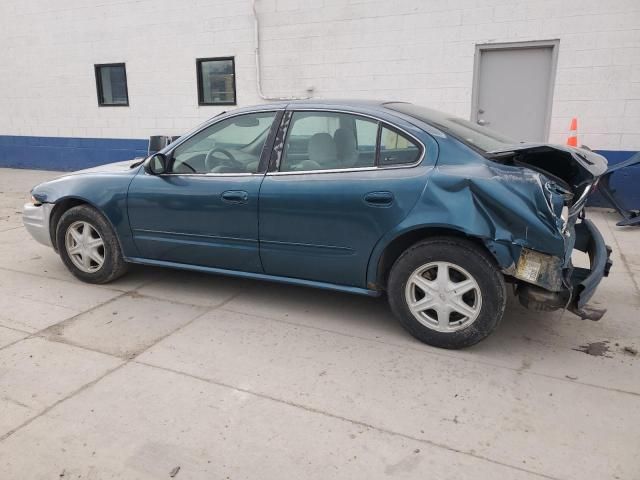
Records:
x=420, y=51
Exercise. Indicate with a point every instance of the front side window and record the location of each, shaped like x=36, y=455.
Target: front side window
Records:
x=327, y=140
x=216, y=81
x=233, y=145
x=111, y=84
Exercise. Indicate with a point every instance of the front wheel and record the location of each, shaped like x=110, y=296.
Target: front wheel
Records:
x=88, y=245
x=447, y=292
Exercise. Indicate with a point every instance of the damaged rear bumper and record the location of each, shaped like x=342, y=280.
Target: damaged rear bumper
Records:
x=579, y=284
x=586, y=280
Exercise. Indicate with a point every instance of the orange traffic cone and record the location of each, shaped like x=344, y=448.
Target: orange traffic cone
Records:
x=572, y=141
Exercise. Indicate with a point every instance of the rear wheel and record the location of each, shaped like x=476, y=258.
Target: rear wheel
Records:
x=88, y=245
x=447, y=292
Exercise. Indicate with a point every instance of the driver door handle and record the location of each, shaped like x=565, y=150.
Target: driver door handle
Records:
x=235, y=196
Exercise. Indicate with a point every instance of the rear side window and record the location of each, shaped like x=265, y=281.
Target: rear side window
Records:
x=340, y=141
x=397, y=149
x=329, y=141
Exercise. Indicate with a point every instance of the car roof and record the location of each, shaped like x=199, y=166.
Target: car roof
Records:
x=352, y=104
x=347, y=104
x=339, y=101
x=380, y=108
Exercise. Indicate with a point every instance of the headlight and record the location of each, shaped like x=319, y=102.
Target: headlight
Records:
x=35, y=201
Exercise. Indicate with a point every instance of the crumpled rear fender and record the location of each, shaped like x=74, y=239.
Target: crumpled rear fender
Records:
x=505, y=207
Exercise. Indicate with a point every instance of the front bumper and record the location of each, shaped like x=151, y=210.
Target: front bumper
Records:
x=579, y=284
x=36, y=221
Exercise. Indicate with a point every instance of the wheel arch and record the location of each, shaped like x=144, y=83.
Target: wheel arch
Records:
x=63, y=205
x=380, y=265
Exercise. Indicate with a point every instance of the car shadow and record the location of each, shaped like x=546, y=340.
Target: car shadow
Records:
x=343, y=313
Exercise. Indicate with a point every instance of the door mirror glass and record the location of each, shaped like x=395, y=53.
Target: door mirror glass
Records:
x=157, y=164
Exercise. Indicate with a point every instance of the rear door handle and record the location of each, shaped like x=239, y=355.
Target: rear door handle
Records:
x=379, y=199
x=235, y=196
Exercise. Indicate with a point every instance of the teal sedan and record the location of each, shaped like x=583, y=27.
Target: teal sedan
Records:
x=371, y=198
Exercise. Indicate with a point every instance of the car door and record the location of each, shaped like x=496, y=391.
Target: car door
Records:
x=340, y=182
x=204, y=210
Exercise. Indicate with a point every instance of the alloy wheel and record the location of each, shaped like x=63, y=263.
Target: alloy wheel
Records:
x=85, y=246
x=443, y=296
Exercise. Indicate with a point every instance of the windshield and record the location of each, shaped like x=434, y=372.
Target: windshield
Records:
x=471, y=133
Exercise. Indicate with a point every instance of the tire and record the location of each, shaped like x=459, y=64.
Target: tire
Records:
x=73, y=245
x=482, y=306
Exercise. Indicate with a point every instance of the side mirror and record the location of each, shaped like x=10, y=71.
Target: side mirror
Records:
x=156, y=164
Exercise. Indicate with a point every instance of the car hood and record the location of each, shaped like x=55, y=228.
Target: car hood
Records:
x=124, y=166
x=118, y=169
x=575, y=166
x=89, y=184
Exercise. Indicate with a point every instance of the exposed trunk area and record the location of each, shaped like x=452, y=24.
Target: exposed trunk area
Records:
x=576, y=168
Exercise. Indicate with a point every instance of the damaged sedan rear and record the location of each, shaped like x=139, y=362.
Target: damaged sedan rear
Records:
x=363, y=197
x=526, y=203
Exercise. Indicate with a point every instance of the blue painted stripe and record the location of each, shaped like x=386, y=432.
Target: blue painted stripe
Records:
x=66, y=153
x=71, y=153
x=624, y=182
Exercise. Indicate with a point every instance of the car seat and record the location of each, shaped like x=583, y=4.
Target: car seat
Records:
x=322, y=153
x=347, y=150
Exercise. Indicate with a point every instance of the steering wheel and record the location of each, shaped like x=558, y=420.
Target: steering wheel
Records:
x=229, y=161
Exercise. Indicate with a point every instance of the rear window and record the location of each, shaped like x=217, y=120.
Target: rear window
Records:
x=482, y=138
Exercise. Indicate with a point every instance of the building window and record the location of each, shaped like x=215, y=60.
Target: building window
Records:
x=111, y=84
x=216, y=81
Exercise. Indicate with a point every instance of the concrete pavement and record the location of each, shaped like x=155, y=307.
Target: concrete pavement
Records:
x=166, y=372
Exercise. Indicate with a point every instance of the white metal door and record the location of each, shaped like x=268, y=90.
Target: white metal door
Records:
x=514, y=87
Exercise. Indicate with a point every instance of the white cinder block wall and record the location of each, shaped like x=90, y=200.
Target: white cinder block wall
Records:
x=416, y=50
